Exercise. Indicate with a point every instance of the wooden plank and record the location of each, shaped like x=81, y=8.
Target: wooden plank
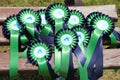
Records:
x=3, y=40
x=111, y=60
x=106, y=9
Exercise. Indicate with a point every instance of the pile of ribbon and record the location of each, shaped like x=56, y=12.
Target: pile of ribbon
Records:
x=63, y=32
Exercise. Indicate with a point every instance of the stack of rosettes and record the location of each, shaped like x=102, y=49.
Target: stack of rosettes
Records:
x=62, y=32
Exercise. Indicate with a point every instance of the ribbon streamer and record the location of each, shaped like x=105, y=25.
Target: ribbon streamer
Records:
x=83, y=37
x=11, y=29
x=65, y=42
x=103, y=25
x=115, y=36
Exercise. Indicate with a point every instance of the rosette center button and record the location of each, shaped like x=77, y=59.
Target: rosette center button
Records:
x=58, y=13
x=39, y=52
x=66, y=39
x=29, y=18
x=102, y=25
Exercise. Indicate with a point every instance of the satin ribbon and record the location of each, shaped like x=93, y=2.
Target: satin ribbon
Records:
x=47, y=30
x=96, y=64
x=64, y=58
x=115, y=36
x=57, y=61
x=89, y=54
x=12, y=30
x=14, y=37
x=58, y=25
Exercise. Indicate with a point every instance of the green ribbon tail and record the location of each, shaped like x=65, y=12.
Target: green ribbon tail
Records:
x=57, y=60
x=43, y=68
x=24, y=54
x=113, y=41
x=30, y=29
x=14, y=37
x=58, y=25
x=65, y=61
x=82, y=71
x=90, y=49
x=46, y=30
x=82, y=47
x=24, y=40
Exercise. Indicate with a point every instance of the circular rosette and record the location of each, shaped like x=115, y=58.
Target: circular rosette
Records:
x=30, y=20
x=103, y=23
x=38, y=50
x=91, y=16
x=46, y=27
x=83, y=35
x=57, y=12
x=76, y=19
x=66, y=37
x=28, y=16
x=11, y=24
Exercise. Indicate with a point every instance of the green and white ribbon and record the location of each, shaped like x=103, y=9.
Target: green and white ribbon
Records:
x=57, y=14
x=83, y=37
x=65, y=41
x=89, y=19
x=12, y=28
x=29, y=19
x=102, y=25
x=76, y=19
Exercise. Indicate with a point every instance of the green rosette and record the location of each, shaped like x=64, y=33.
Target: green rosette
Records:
x=91, y=16
x=46, y=27
x=83, y=37
x=76, y=19
x=65, y=41
x=12, y=30
x=39, y=54
x=103, y=23
x=57, y=14
x=30, y=20
x=89, y=20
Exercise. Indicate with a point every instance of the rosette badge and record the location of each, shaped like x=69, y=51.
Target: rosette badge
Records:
x=83, y=35
x=76, y=19
x=103, y=23
x=65, y=41
x=29, y=19
x=57, y=14
x=91, y=16
x=39, y=54
x=11, y=24
x=12, y=30
x=47, y=27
